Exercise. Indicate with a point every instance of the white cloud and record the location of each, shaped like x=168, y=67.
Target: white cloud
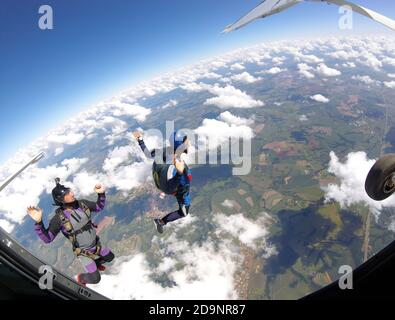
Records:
x=126, y=178
x=352, y=174
x=117, y=156
x=166, y=265
x=319, y=98
x=251, y=233
x=123, y=178
x=220, y=132
x=370, y=60
x=324, y=70
x=210, y=75
x=389, y=61
x=136, y=111
x=206, y=273
x=278, y=60
x=118, y=131
x=392, y=225
x=349, y=65
x=122, y=170
x=70, y=138
x=228, y=203
x=182, y=224
x=232, y=119
x=237, y=66
x=305, y=69
x=274, y=70
x=303, y=117
x=217, y=64
x=307, y=58
x=230, y=97
x=253, y=56
x=390, y=84
x=6, y=225
x=58, y=151
x=74, y=164
x=26, y=189
x=244, y=77
x=226, y=80
x=84, y=182
x=365, y=79
x=227, y=97
x=199, y=271
x=114, y=128
x=171, y=103
x=193, y=87
x=344, y=55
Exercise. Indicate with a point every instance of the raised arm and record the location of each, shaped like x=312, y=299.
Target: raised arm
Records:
x=49, y=234
x=139, y=138
x=100, y=203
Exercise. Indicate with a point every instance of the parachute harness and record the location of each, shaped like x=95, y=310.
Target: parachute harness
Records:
x=72, y=235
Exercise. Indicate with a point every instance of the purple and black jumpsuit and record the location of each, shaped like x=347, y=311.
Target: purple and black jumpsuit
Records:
x=85, y=235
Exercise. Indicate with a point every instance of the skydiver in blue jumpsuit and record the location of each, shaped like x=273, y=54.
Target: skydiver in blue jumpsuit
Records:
x=175, y=176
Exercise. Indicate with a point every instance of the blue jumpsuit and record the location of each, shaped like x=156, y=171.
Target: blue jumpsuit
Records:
x=182, y=193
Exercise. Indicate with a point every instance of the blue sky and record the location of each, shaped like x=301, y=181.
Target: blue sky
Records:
x=98, y=48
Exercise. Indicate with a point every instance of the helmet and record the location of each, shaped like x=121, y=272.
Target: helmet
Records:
x=177, y=138
x=59, y=192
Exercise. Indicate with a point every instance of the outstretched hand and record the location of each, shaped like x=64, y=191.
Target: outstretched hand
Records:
x=35, y=213
x=99, y=188
x=137, y=134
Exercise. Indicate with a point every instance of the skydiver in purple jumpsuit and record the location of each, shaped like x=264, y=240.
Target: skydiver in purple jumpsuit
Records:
x=73, y=219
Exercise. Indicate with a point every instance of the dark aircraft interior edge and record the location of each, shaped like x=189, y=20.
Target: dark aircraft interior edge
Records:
x=19, y=277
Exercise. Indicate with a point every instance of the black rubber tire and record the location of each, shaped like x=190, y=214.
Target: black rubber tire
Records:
x=378, y=175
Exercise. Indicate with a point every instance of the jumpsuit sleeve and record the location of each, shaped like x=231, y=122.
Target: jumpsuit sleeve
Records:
x=49, y=234
x=97, y=206
x=148, y=154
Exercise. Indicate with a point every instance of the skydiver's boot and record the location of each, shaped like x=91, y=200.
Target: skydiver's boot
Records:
x=159, y=225
x=88, y=278
x=104, y=259
x=101, y=267
x=79, y=280
x=99, y=264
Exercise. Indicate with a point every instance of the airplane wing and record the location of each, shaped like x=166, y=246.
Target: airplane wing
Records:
x=366, y=12
x=266, y=8
x=270, y=7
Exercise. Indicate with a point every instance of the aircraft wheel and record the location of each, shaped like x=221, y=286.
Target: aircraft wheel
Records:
x=380, y=182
